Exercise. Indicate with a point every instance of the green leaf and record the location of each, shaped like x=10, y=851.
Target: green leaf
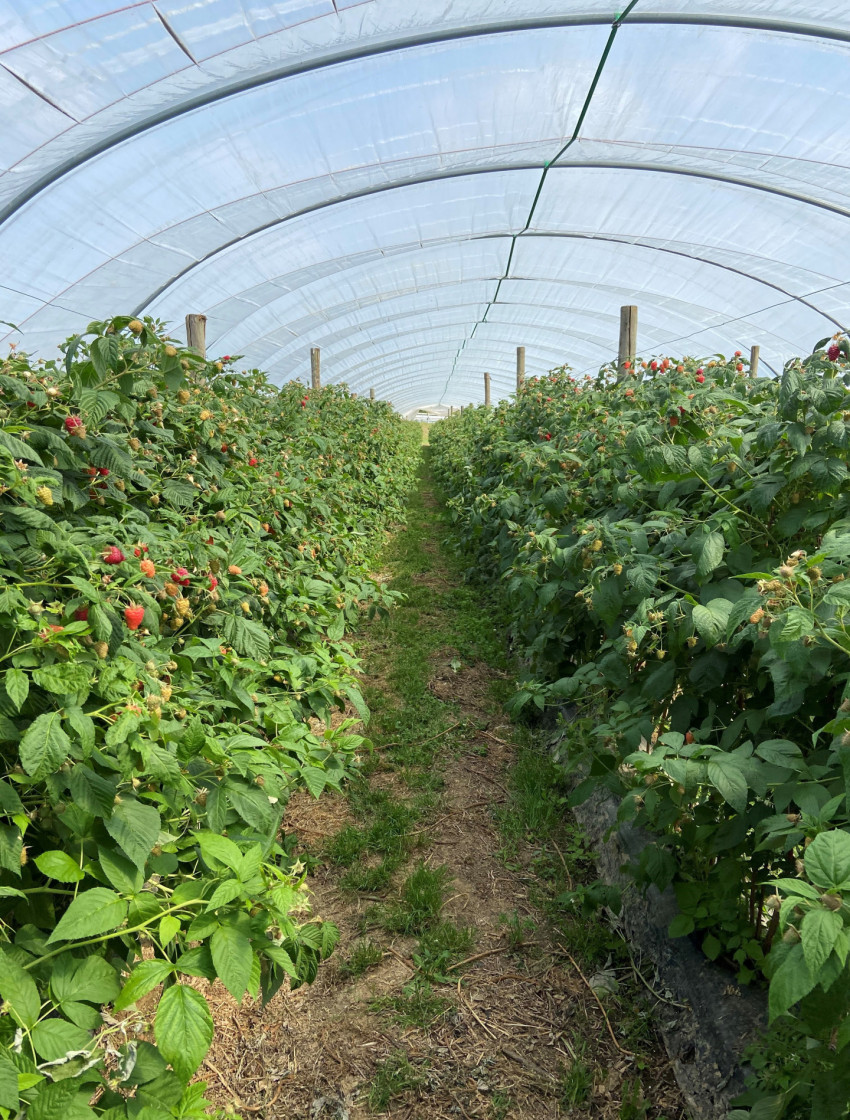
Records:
x=63, y=678
x=781, y=752
x=819, y=931
x=93, y=793
x=232, y=957
x=59, y=865
x=710, y=620
x=143, y=979
x=17, y=685
x=53, y=1038
x=45, y=745
x=218, y=850
x=183, y=1029
x=314, y=779
x=95, y=911
x=791, y=981
x=122, y=729
x=681, y=926
x=708, y=552
x=88, y=978
x=827, y=859
x=83, y=724
x=11, y=847
x=169, y=927
x=729, y=781
x=224, y=893
x=9, y=1095
x=135, y=828
x=18, y=989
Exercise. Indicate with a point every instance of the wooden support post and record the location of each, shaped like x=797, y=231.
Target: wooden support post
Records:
x=520, y=367
x=196, y=333
x=315, y=368
x=371, y=394
x=487, y=389
x=628, y=339
x=451, y=410
x=754, y=361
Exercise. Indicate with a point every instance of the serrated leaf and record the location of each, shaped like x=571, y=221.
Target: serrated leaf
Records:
x=9, y=1095
x=708, y=551
x=93, y=793
x=54, y=1038
x=183, y=1029
x=827, y=859
x=135, y=828
x=729, y=782
x=94, y=911
x=232, y=956
x=19, y=991
x=819, y=931
x=146, y=975
x=17, y=685
x=63, y=677
x=218, y=850
x=59, y=865
x=45, y=745
x=92, y=979
x=791, y=981
x=169, y=927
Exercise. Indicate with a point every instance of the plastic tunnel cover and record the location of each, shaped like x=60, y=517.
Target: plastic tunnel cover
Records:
x=417, y=189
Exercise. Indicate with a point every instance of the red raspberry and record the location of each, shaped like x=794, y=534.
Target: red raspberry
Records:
x=113, y=555
x=103, y=471
x=833, y=352
x=72, y=423
x=252, y=462
x=81, y=614
x=700, y=378
x=181, y=576
x=213, y=583
x=133, y=617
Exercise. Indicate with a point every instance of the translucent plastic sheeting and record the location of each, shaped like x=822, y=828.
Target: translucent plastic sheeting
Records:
x=366, y=177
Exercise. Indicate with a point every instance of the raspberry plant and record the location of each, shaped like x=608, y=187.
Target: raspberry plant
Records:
x=182, y=550
x=674, y=549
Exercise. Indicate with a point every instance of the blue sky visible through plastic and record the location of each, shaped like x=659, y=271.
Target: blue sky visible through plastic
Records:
x=361, y=177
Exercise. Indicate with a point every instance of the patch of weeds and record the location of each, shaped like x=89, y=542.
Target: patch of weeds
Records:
x=428, y=781
x=422, y=896
x=346, y=846
x=577, y=1082
x=417, y=1006
x=517, y=929
x=364, y=955
x=634, y=1105
x=442, y=946
x=500, y=1106
x=392, y=1078
x=370, y=880
x=538, y=796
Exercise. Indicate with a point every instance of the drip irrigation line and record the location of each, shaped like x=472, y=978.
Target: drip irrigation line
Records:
x=619, y=19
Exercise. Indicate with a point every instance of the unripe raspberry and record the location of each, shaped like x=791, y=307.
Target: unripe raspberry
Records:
x=184, y=396
x=101, y=649
x=135, y=326
x=44, y=495
x=171, y=351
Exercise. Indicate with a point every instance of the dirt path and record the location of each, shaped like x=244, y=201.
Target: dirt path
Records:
x=455, y=992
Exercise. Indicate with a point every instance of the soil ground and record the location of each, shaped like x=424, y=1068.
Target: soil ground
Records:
x=466, y=984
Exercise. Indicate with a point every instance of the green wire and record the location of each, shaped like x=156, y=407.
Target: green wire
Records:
x=619, y=19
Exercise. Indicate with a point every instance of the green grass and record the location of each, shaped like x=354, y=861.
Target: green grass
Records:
x=443, y=945
x=422, y=896
x=364, y=955
x=392, y=1078
x=417, y=1005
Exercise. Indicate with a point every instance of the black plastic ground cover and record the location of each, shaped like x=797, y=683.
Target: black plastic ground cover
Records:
x=705, y=1036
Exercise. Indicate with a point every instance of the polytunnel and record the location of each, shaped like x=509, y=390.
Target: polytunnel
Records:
x=417, y=189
